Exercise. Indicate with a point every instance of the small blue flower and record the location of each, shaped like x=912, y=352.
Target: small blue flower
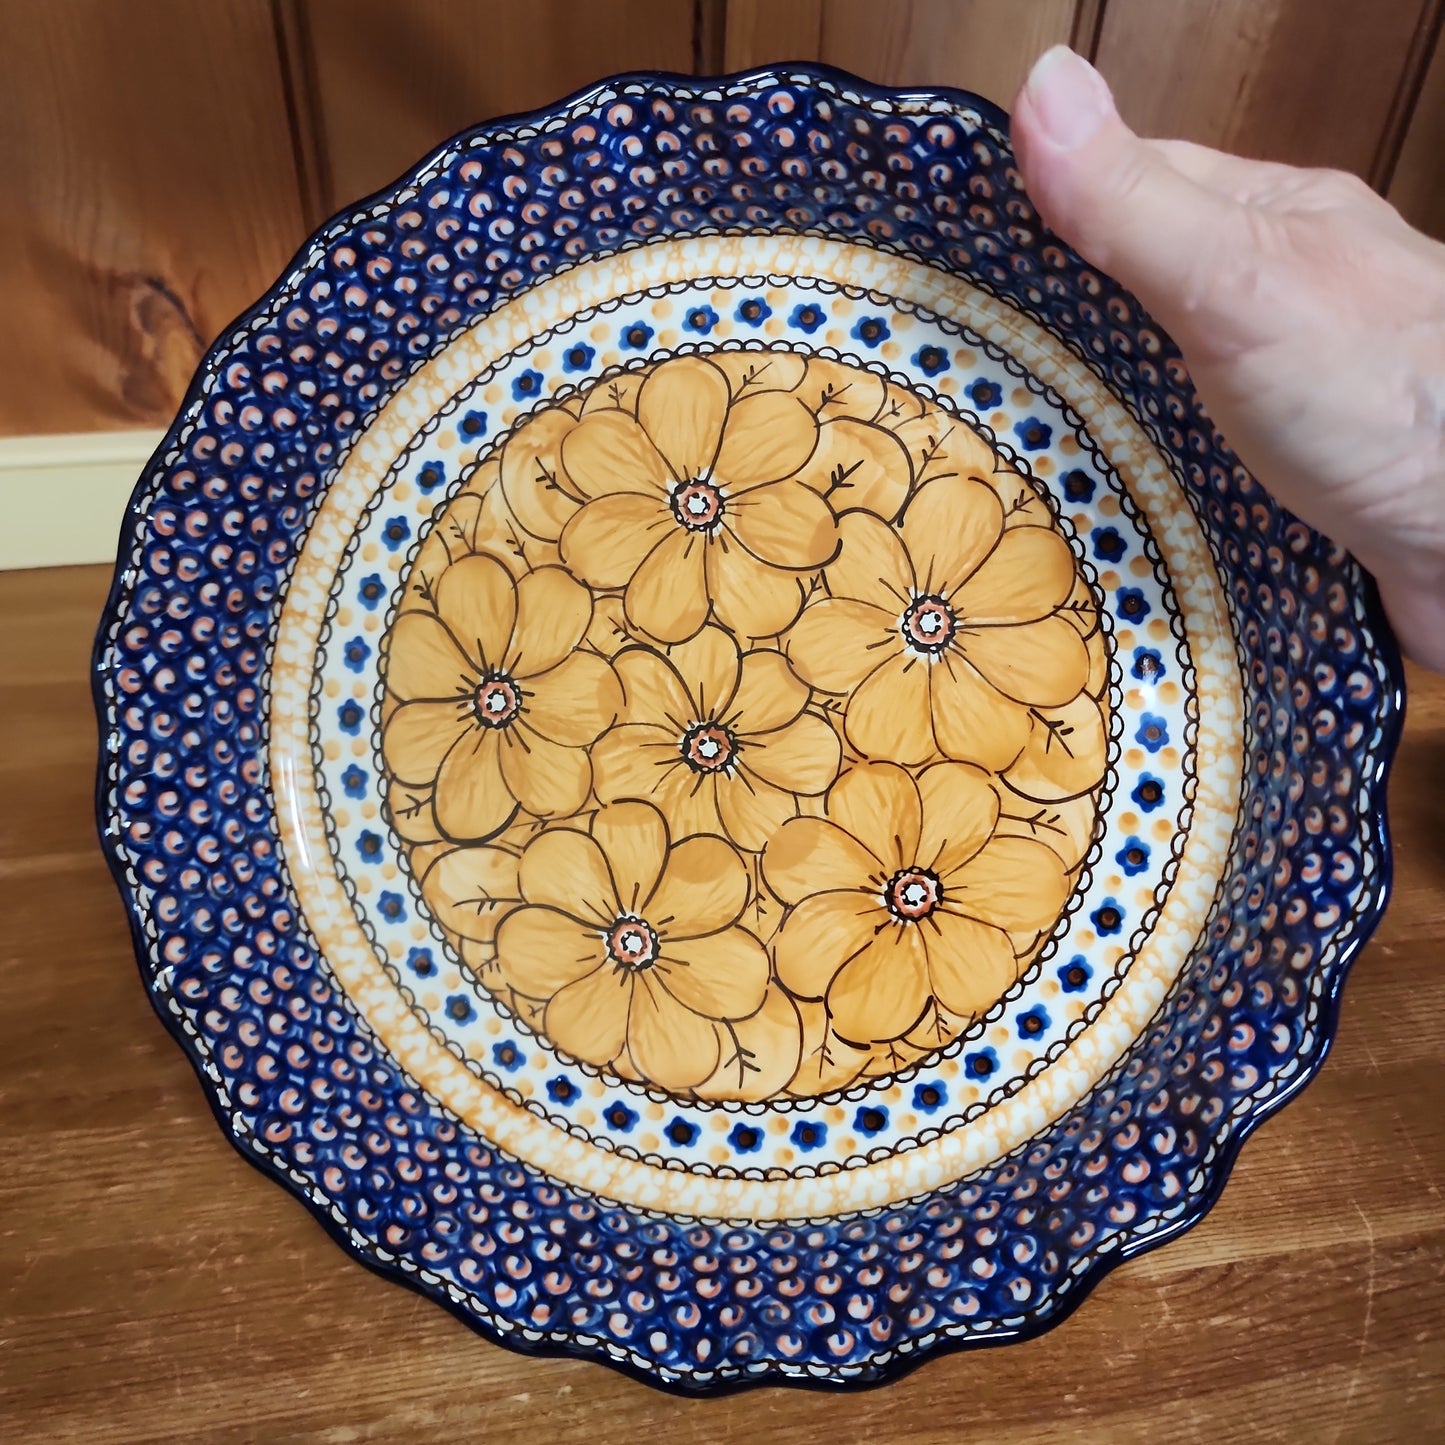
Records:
x=930, y=360
x=872, y=331
x=356, y=653
x=745, y=1139
x=395, y=533
x=577, y=357
x=390, y=906
x=372, y=590
x=1133, y=857
x=354, y=781
x=754, y=310
x=368, y=844
x=507, y=1055
x=1133, y=604
x=459, y=1008
x=561, y=1091
x=619, y=1116
x=1033, y=1021
x=527, y=385
x=421, y=962
x=1074, y=975
x=929, y=1096
x=636, y=335
x=871, y=1119
x=431, y=476
x=981, y=1064
x=1152, y=731
x=701, y=319
x=1033, y=433
x=1149, y=792
x=1108, y=544
x=679, y=1131
x=349, y=715
x=809, y=1134
x=1148, y=664
x=1107, y=918
x=1078, y=485
x=984, y=394
x=807, y=317
x=474, y=424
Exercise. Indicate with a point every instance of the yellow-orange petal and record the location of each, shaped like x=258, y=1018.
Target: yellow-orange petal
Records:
x=681, y=407
x=575, y=702
x=751, y=372
x=769, y=693
x=553, y=610
x=881, y=993
x=669, y=1043
x=608, y=540
x=760, y=1054
x=971, y=965
x=477, y=600
x=667, y=596
x=633, y=837
x=1042, y=663
x=1013, y=883
x=588, y=1019
x=708, y=666
x=1028, y=575
x=1065, y=754
x=409, y=810
x=858, y=465
x=837, y=642
x=888, y=715
x=972, y=721
x=751, y=810
x=960, y=812
x=786, y=523
x=652, y=691
x=540, y=950
x=424, y=662
x=723, y=976
x=872, y=565
x=637, y=761
x=530, y=474
x=418, y=735
x=617, y=393
x=767, y=436
x=802, y=757
x=469, y=890
x=832, y=389
x=941, y=446
x=751, y=597
x=565, y=868
x=472, y=800
x=878, y=804
x=820, y=935
x=950, y=526
x=548, y=779
x=812, y=855
x=607, y=452
x=704, y=887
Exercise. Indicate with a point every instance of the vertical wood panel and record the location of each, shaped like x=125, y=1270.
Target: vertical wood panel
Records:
x=760, y=32
x=147, y=194
x=1418, y=187
x=394, y=80
x=1312, y=82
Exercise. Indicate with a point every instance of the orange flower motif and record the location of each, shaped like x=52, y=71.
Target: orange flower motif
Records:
x=633, y=943
x=693, y=505
x=718, y=741
x=497, y=705
x=903, y=898
x=946, y=631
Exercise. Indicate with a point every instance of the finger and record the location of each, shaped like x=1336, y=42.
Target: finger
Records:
x=1234, y=177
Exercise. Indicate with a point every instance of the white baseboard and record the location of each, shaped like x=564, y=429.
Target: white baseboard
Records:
x=62, y=497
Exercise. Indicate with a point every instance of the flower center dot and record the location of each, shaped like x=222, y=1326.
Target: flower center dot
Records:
x=708, y=748
x=498, y=700
x=632, y=942
x=698, y=505
x=913, y=894
x=929, y=625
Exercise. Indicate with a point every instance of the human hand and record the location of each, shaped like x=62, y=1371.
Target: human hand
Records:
x=1312, y=319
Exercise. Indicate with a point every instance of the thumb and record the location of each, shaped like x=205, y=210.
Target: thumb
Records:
x=1112, y=196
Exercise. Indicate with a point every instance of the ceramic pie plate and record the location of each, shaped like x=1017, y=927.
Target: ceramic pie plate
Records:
x=709, y=755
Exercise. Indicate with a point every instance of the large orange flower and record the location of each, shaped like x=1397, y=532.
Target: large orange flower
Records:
x=693, y=504
x=945, y=630
x=903, y=897
x=717, y=741
x=633, y=943
x=497, y=705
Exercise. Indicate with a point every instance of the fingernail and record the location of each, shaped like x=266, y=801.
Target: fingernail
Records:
x=1071, y=97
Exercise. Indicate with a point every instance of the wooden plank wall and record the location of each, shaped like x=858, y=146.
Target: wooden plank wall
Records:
x=161, y=160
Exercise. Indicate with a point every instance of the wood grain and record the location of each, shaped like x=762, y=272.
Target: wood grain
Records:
x=147, y=195
x=1418, y=185
x=394, y=81
x=154, y=1288
x=1311, y=82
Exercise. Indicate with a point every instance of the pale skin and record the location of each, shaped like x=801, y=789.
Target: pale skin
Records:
x=1312, y=318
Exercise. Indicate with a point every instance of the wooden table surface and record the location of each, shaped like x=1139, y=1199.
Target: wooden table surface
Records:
x=154, y=1287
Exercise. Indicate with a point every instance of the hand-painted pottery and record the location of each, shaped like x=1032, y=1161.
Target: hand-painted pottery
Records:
x=710, y=756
